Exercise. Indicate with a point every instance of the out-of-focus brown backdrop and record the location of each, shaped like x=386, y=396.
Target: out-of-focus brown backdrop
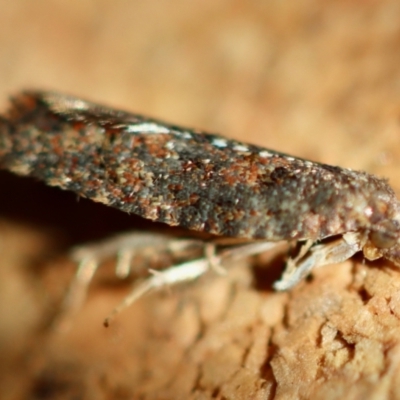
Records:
x=320, y=80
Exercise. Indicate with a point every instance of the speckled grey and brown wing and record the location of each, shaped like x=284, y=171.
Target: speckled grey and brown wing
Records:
x=184, y=177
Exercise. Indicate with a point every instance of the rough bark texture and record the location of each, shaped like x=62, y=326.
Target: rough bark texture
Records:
x=318, y=80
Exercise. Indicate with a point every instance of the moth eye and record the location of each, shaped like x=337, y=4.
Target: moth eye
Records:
x=385, y=235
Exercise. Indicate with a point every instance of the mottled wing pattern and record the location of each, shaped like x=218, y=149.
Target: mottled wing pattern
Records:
x=184, y=177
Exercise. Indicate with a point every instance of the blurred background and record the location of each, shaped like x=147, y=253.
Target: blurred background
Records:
x=320, y=80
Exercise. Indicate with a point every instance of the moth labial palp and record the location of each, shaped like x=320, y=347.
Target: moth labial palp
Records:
x=198, y=181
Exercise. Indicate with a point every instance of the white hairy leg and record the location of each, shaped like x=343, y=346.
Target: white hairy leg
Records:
x=318, y=256
x=125, y=247
x=189, y=271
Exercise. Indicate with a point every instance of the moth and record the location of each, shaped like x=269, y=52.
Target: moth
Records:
x=198, y=181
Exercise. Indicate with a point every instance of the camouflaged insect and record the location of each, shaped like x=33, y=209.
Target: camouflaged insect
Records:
x=201, y=181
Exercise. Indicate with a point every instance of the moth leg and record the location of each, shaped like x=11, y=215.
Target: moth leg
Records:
x=320, y=255
x=235, y=251
x=210, y=253
x=247, y=250
x=125, y=247
x=305, y=248
x=189, y=271
x=76, y=294
x=180, y=273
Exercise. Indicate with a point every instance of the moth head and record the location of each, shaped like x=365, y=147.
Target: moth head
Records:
x=385, y=234
x=384, y=241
